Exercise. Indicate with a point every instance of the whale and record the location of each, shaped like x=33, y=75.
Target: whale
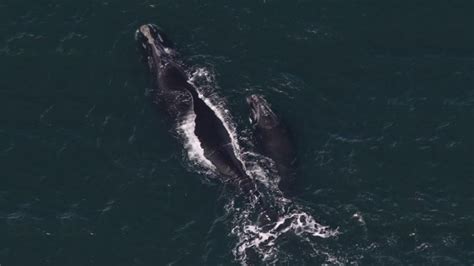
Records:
x=273, y=139
x=172, y=91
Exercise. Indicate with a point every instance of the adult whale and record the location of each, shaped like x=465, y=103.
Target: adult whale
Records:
x=273, y=139
x=172, y=90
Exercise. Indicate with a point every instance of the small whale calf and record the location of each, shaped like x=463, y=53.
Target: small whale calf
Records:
x=273, y=139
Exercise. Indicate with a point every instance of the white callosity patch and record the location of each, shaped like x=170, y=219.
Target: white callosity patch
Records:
x=145, y=30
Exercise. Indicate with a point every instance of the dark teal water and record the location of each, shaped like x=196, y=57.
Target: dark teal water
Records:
x=379, y=94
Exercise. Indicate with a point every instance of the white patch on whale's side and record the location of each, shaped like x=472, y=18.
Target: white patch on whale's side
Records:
x=191, y=142
x=221, y=112
x=186, y=128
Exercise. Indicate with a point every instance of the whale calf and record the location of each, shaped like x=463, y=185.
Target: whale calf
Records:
x=173, y=91
x=273, y=139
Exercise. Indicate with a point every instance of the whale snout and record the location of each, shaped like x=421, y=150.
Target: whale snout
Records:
x=149, y=33
x=252, y=99
x=260, y=111
x=253, y=102
x=153, y=41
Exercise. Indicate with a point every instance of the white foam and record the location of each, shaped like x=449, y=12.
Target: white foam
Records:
x=264, y=239
x=219, y=109
x=186, y=128
x=191, y=142
x=359, y=218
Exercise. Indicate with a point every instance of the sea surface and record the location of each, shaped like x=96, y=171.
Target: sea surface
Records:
x=379, y=96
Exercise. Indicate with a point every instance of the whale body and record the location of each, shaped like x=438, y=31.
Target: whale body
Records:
x=173, y=92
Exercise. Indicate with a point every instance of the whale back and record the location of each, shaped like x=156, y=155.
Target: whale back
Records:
x=215, y=139
x=170, y=91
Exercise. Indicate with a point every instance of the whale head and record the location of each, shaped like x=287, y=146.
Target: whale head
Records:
x=153, y=43
x=261, y=114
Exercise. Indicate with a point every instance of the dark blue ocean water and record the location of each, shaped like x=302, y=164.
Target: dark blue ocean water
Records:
x=378, y=94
